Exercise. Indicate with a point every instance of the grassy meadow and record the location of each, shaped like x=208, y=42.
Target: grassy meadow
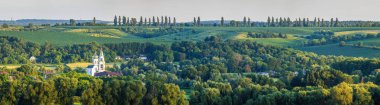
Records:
x=67, y=35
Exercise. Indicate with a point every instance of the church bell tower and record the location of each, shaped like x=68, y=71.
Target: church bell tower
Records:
x=102, y=63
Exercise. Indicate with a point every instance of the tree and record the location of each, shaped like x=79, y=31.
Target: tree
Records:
x=342, y=94
x=249, y=22
x=127, y=22
x=268, y=22
x=170, y=95
x=319, y=22
x=195, y=22
x=94, y=21
x=8, y=97
x=119, y=20
x=211, y=96
x=158, y=21
x=149, y=23
x=303, y=22
x=323, y=22
x=222, y=22
x=38, y=93
x=145, y=22
x=342, y=43
x=5, y=25
x=141, y=21
x=362, y=96
x=174, y=22
x=154, y=21
x=124, y=20
x=162, y=20
x=115, y=21
x=199, y=21
x=166, y=21
x=72, y=22
x=244, y=21
x=170, y=21
x=332, y=22
x=134, y=92
x=29, y=70
x=66, y=88
x=360, y=44
x=31, y=25
x=336, y=24
x=289, y=22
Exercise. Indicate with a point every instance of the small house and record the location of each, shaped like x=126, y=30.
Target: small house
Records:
x=118, y=58
x=32, y=59
x=143, y=57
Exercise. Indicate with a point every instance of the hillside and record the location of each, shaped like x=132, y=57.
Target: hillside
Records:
x=67, y=35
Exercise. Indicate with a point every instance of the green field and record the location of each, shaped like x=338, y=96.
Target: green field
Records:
x=335, y=49
x=61, y=36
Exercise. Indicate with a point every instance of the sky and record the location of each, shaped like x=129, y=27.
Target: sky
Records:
x=185, y=10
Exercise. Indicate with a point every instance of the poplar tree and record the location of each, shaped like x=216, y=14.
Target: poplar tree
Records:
x=166, y=21
x=244, y=21
x=128, y=23
x=276, y=22
x=141, y=21
x=158, y=21
x=162, y=20
x=119, y=20
x=222, y=22
x=268, y=21
x=94, y=21
x=149, y=23
x=336, y=22
x=124, y=20
x=249, y=22
x=174, y=21
x=170, y=21
x=323, y=22
x=303, y=22
x=154, y=21
x=319, y=22
x=199, y=21
x=145, y=21
x=195, y=21
x=115, y=21
x=332, y=22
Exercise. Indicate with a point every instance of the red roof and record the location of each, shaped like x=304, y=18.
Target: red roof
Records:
x=108, y=73
x=3, y=72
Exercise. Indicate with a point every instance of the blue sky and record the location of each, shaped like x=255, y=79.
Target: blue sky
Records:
x=184, y=10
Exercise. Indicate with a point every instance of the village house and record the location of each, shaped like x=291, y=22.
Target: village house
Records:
x=33, y=59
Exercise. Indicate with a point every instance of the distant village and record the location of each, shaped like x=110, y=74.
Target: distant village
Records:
x=98, y=65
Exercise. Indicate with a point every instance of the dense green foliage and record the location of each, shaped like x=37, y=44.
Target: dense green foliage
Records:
x=212, y=71
x=266, y=35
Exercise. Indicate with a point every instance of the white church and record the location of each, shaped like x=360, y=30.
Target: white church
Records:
x=98, y=64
